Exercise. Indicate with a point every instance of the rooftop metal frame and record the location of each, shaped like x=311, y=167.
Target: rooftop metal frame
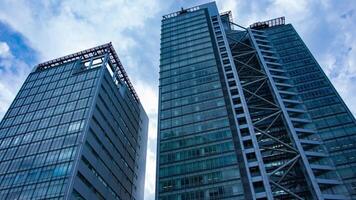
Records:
x=174, y=14
x=229, y=13
x=269, y=23
x=116, y=66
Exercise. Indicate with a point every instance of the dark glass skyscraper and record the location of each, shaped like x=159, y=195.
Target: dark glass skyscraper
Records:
x=247, y=113
x=76, y=130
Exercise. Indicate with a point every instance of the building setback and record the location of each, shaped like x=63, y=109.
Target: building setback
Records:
x=76, y=130
x=247, y=113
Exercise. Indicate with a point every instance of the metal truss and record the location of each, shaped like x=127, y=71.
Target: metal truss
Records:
x=119, y=72
x=282, y=155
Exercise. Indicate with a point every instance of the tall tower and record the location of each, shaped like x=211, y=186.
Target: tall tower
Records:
x=247, y=113
x=76, y=130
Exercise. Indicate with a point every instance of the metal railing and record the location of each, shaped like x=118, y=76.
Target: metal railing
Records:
x=118, y=69
x=269, y=23
x=174, y=14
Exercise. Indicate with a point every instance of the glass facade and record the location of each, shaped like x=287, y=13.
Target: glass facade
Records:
x=332, y=119
x=247, y=113
x=41, y=131
x=46, y=135
x=196, y=158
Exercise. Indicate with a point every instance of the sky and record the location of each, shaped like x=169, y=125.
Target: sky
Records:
x=34, y=31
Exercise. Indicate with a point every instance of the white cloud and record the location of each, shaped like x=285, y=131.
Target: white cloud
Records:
x=149, y=96
x=150, y=174
x=228, y=5
x=56, y=29
x=339, y=60
x=4, y=50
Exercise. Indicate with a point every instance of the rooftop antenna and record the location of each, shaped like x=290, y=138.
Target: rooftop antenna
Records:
x=183, y=10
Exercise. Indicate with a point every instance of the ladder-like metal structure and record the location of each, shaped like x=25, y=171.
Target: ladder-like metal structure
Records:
x=283, y=157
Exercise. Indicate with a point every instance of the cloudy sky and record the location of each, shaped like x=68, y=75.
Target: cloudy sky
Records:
x=33, y=31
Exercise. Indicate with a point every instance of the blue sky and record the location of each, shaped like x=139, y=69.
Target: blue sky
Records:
x=36, y=31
